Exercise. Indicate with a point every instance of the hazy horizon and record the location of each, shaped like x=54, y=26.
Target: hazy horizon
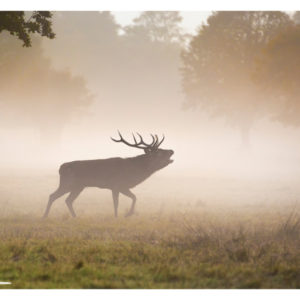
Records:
x=134, y=92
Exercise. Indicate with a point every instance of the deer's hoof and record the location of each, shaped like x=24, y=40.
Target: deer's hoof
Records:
x=129, y=214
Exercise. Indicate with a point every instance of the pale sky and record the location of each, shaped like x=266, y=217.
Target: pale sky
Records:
x=191, y=19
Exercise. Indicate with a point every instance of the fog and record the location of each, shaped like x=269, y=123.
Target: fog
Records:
x=130, y=80
x=148, y=156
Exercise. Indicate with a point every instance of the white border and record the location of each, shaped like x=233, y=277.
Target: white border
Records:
x=151, y=294
x=137, y=5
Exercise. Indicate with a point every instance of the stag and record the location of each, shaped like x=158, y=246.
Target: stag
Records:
x=117, y=174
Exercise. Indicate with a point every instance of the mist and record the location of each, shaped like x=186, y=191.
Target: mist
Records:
x=145, y=155
x=96, y=77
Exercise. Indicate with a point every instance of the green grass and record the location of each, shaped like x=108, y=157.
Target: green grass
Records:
x=163, y=246
x=144, y=252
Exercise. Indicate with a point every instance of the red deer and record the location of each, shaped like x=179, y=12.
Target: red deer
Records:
x=117, y=174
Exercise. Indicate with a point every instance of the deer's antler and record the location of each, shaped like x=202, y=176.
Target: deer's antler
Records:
x=141, y=144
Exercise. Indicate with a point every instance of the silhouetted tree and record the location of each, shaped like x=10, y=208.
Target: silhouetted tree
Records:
x=157, y=26
x=123, y=67
x=296, y=17
x=86, y=42
x=36, y=94
x=151, y=59
x=219, y=63
x=278, y=75
x=16, y=24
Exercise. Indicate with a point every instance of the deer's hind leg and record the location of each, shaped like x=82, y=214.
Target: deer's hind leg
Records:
x=115, y=195
x=129, y=194
x=58, y=193
x=70, y=199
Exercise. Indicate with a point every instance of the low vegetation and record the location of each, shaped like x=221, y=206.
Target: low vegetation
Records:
x=191, y=244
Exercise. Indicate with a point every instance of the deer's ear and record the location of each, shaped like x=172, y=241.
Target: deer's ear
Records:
x=147, y=151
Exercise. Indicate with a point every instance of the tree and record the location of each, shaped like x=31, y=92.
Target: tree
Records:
x=124, y=67
x=278, y=75
x=89, y=41
x=296, y=17
x=14, y=22
x=150, y=51
x=34, y=94
x=219, y=63
x=160, y=26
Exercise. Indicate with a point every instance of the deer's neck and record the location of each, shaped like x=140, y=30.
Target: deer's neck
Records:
x=144, y=164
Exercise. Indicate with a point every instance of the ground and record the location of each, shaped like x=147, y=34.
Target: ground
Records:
x=224, y=233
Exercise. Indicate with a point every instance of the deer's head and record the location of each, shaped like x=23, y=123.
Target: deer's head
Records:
x=159, y=158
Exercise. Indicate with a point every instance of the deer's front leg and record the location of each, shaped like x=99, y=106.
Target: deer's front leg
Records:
x=115, y=195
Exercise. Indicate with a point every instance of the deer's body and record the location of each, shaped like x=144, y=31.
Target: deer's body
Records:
x=111, y=173
x=117, y=174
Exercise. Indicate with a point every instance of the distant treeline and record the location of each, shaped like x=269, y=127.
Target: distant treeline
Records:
x=242, y=66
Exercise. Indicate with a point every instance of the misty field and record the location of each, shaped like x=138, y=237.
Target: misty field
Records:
x=223, y=233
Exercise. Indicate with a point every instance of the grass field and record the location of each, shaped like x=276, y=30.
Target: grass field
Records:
x=230, y=234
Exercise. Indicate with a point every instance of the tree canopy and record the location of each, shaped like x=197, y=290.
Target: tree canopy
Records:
x=296, y=17
x=37, y=95
x=123, y=66
x=15, y=23
x=278, y=74
x=220, y=60
x=160, y=26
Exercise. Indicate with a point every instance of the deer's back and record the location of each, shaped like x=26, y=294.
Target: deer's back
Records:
x=103, y=173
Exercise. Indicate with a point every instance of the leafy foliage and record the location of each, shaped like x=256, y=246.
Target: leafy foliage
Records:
x=14, y=22
x=160, y=26
x=141, y=60
x=35, y=93
x=278, y=74
x=220, y=60
x=296, y=17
